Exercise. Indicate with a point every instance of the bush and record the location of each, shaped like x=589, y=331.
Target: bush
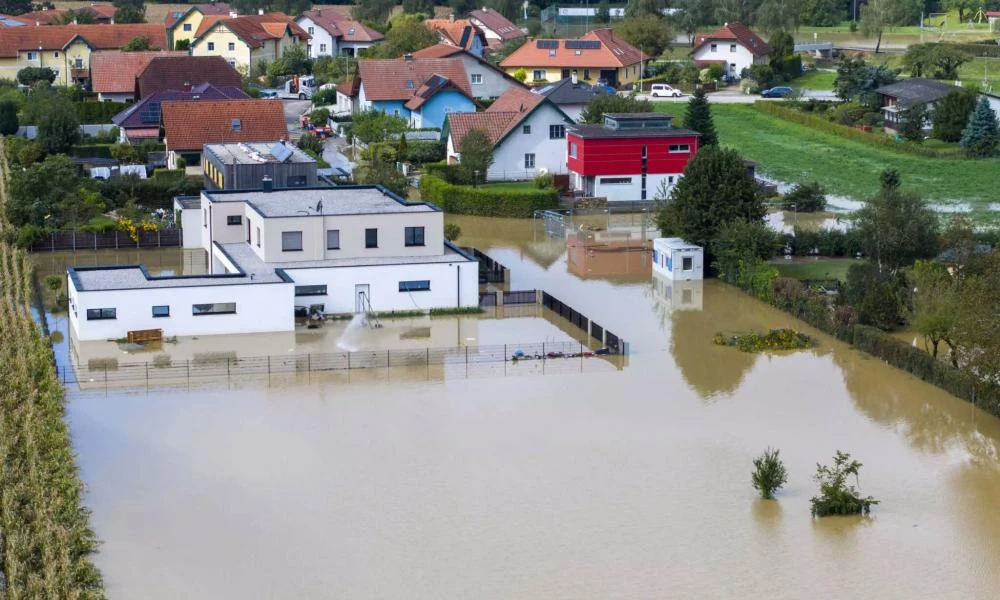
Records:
x=30, y=234
x=97, y=113
x=543, y=180
x=809, y=197
x=91, y=150
x=420, y=153
x=325, y=97
x=769, y=474
x=452, y=231
x=485, y=202
x=776, y=339
x=836, y=495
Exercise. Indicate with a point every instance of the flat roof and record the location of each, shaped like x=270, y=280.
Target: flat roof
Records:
x=600, y=131
x=258, y=153
x=339, y=200
x=676, y=244
x=187, y=201
x=642, y=116
x=136, y=277
x=243, y=255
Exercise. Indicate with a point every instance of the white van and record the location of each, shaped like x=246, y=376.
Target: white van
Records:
x=658, y=90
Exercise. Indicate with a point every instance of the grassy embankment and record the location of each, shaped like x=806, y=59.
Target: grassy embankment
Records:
x=46, y=542
x=798, y=153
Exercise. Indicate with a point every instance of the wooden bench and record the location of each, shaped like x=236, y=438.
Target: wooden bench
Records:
x=145, y=335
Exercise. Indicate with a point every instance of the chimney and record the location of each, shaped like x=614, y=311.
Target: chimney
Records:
x=319, y=12
x=408, y=57
x=75, y=21
x=573, y=78
x=233, y=14
x=260, y=11
x=451, y=18
x=266, y=184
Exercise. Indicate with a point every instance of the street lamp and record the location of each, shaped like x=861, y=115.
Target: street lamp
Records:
x=475, y=178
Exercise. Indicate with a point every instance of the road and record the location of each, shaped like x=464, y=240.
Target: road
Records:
x=293, y=109
x=735, y=97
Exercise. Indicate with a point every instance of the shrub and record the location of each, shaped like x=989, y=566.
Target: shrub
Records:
x=452, y=231
x=809, y=197
x=30, y=234
x=486, y=202
x=319, y=117
x=327, y=96
x=776, y=339
x=97, y=113
x=543, y=180
x=769, y=474
x=420, y=153
x=836, y=495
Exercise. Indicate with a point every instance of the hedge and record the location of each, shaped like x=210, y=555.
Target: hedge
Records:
x=483, y=202
x=98, y=113
x=990, y=48
x=91, y=151
x=872, y=139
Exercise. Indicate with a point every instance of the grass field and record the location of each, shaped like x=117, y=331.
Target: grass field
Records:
x=814, y=268
x=815, y=80
x=796, y=153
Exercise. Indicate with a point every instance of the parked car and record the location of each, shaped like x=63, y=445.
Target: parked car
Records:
x=776, y=92
x=662, y=89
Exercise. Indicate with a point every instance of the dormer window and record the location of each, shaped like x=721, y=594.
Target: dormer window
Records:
x=350, y=31
x=552, y=52
x=409, y=84
x=237, y=125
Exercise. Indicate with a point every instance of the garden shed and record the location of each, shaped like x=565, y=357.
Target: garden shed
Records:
x=679, y=260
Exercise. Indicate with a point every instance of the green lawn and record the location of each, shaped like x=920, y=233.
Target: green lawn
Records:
x=796, y=153
x=815, y=80
x=818, y=268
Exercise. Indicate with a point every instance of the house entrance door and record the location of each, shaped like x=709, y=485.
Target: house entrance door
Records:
x=362, y=302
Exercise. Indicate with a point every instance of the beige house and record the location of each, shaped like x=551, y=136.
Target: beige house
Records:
x=245, y=41
x=184, y=24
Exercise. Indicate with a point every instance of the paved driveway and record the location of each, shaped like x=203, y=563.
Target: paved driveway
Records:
x=293, y=109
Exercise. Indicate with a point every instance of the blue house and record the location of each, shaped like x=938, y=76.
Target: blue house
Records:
x=422, y=90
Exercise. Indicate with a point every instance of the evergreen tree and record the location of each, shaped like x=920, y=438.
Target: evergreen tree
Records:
x=59, y=127
x=981, y=136
x=8, y=117
x=951, y=114
x=698, y=117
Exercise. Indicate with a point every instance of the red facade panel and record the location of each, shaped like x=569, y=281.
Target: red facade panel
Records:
x=623, y=156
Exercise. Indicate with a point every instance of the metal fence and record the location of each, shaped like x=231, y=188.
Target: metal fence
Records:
x=163, y=369
x=609, y=340
x=87, y=240
x=490, y=271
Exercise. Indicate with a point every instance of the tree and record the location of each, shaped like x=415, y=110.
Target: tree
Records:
x=858, y=80
x=649, y=33
x=879, y=15
x=739, y=245
x=15, y=7
x=29, y=76
x=698, y=117
x=452, y=231
x=716, y=189
x=521, y=75
x=80, y=17
x=419, y=7
x=138, y=44
x=130, y=13
x=8, y=117
x=877, y=297
x=778, y=15
x=408, y=34
x=727, y=11
x=769, y=474
x=805, y=197
x=896, y=228
x=295, y=60
x=603, y=14
x=938, y=61
x=782, y=44
x=961, y=6
x=182, y=45
x=977, y=326
x=380, y=169
x=377, y=11
x=951, y=114
x=823, y=13
x=37, y=192
x=642, y=8
x=612, y=103
x=476, y=151
x=935, y=304
x=59, y=128
x=981, y=137
x=836, y=495
x=376, y=126
x=911, y=126
x=692, y=16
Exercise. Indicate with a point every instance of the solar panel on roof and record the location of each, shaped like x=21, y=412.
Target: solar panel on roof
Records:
x=547, y=44
x=150, y=113
x=583, y=44
x=281, y=152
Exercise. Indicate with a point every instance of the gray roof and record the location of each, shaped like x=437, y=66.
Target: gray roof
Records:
x=135, y=277
x=600, y=131
x=341, y=200
x=908, y=92
x=243, y=255
x=187, y=201
x=565, y=92
x=257, y=153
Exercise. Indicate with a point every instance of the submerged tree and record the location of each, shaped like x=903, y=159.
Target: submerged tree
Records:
x=769, y=474
x=836, y=495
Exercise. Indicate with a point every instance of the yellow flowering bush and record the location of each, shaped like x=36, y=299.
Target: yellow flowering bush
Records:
x=776, y=339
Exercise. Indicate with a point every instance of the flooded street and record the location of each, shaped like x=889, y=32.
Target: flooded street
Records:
x=629, y=483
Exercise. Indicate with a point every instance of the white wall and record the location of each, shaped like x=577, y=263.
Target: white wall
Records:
x=191, y=227
x=115, y=96
x=668, y=260
x=742, y=57
x=383, y=284
x=320, y=36
x=259, y=307
x=620, y=192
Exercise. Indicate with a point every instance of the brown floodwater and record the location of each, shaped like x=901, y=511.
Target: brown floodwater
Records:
x=575, y=484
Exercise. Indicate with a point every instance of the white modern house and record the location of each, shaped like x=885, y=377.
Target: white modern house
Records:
x=272, y=254
x=734, y=46
x=676, y=259
x=528, y=132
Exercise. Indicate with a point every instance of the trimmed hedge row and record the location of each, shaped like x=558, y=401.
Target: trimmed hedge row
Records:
x=98, y=113
x=483, y=202
x=872, y=139
x=91, y=151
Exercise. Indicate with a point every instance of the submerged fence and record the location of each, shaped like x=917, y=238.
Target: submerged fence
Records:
x=88, y=240
x=162, y=369
x=600, y=335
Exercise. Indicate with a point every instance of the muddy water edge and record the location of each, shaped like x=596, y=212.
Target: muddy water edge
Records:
x=612, y=484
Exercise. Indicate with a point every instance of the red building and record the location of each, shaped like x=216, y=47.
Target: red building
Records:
x=629, y=156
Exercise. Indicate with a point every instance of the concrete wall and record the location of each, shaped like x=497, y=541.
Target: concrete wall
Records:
x=116, y=96
x=190, y=227
x=259, y=307
x=452, y=284
x=619, y=192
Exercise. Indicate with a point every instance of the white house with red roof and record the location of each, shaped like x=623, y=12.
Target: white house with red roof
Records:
x=734, y=46
x=528, y=132
x=496, y=27
x=422, y=90
x=333, y=34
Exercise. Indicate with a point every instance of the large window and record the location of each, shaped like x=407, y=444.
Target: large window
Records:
x=97, y=314
x=234, y=220
x=680, y=148
x=415, y=286
x=414, y=236
x=161, y=311
x=333, y=239
x=615, y=180
x=529, y=161
x=371, y=238
x=219, y=308
x=538, y=75
x=557, y=132
x=310, y=290
x=291, y=241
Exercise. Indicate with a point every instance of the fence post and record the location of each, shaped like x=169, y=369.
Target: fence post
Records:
x=52, y=240
x=466, y=355
x=428, y=356
x=187, y=367
x=388, y=361
x=348, y=361
x=309, y=362
x=227, y=367
x=269, y=365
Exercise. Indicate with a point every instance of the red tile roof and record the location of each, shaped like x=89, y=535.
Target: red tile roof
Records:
x=115, y=72
x=400, y=78
x=738, y=32
x=219, y=8
x=461, y=33
x=254, y=30
x=190, y=125
x=499, y=119
x=613, y=53
x=103, y=13
x=341, y=27
x=182, y=72
x=497, y=23
x=99, y=37
x=438, y=51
